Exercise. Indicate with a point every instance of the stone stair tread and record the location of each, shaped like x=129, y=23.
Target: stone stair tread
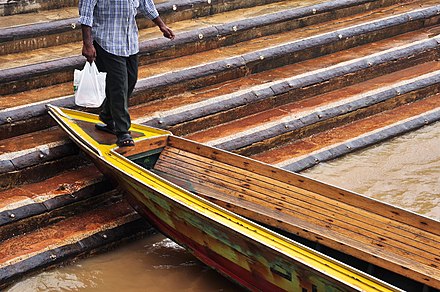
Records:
x=145, y=34
x=65, y=233
x=288, y=153
x=43, y=55
x=38, y=17
x=14, y=148
x=278, y=115
x=44, y=15
x=274, y=40
x=144, y=112
x=46, y=32
x=71, y=12
x=18, y=8
x=54, y=135
x=36, y=95
x=148, y=111
x=20, y=154
x=31, y=141
x=66, y=183
x=163, y=67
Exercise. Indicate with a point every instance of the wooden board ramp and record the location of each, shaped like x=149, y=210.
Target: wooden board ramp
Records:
x=388, y=237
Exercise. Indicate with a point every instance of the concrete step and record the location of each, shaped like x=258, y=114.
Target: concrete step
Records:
x=310, y=115
x=30, y=7
x=85, y=233
x=24, y=154
x=17, y=23
x=36, y=156
x=34, y=205
x=19, y=113
x=204, y=108
x=300, y=154
x=45, y=67
x=322, y=112
x=222, y=108
x=45, y=29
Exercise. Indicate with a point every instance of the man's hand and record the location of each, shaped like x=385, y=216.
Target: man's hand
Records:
x=167, y=32
x=88, y=50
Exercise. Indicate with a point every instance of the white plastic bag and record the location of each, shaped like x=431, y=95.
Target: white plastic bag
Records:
x=89, y=86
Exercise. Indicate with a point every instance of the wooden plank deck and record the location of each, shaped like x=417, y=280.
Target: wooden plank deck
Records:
x=385, y=236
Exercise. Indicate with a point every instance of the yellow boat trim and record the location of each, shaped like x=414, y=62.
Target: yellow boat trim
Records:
x=332, y=268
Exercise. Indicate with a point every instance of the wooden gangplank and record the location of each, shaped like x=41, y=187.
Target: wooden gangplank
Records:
x=389, y=237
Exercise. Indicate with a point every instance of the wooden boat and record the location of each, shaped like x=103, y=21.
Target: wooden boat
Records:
x=185, y=190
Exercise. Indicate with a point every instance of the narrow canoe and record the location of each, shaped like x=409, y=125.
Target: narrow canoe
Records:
x=185, y=190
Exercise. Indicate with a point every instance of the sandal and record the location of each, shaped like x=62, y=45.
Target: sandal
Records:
x=106, y=128
x=125, y=140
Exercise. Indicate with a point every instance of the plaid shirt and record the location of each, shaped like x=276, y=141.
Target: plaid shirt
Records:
x=113, y=23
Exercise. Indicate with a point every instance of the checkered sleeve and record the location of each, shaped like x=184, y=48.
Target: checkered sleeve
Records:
x=86, y=8
x=147, y=8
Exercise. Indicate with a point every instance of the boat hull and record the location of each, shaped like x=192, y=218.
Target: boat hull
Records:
x=249, y=263
x=251, y=255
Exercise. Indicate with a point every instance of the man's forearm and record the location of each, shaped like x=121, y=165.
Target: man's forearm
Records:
x=159, y=22
x=87, y=35
x=88, y=49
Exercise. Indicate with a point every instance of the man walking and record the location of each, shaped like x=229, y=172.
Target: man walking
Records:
x=110, y=38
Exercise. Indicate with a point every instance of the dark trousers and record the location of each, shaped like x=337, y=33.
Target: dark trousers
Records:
x=120, y=81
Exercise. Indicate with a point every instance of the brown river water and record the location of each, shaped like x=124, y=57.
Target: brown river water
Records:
x=404, y=171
